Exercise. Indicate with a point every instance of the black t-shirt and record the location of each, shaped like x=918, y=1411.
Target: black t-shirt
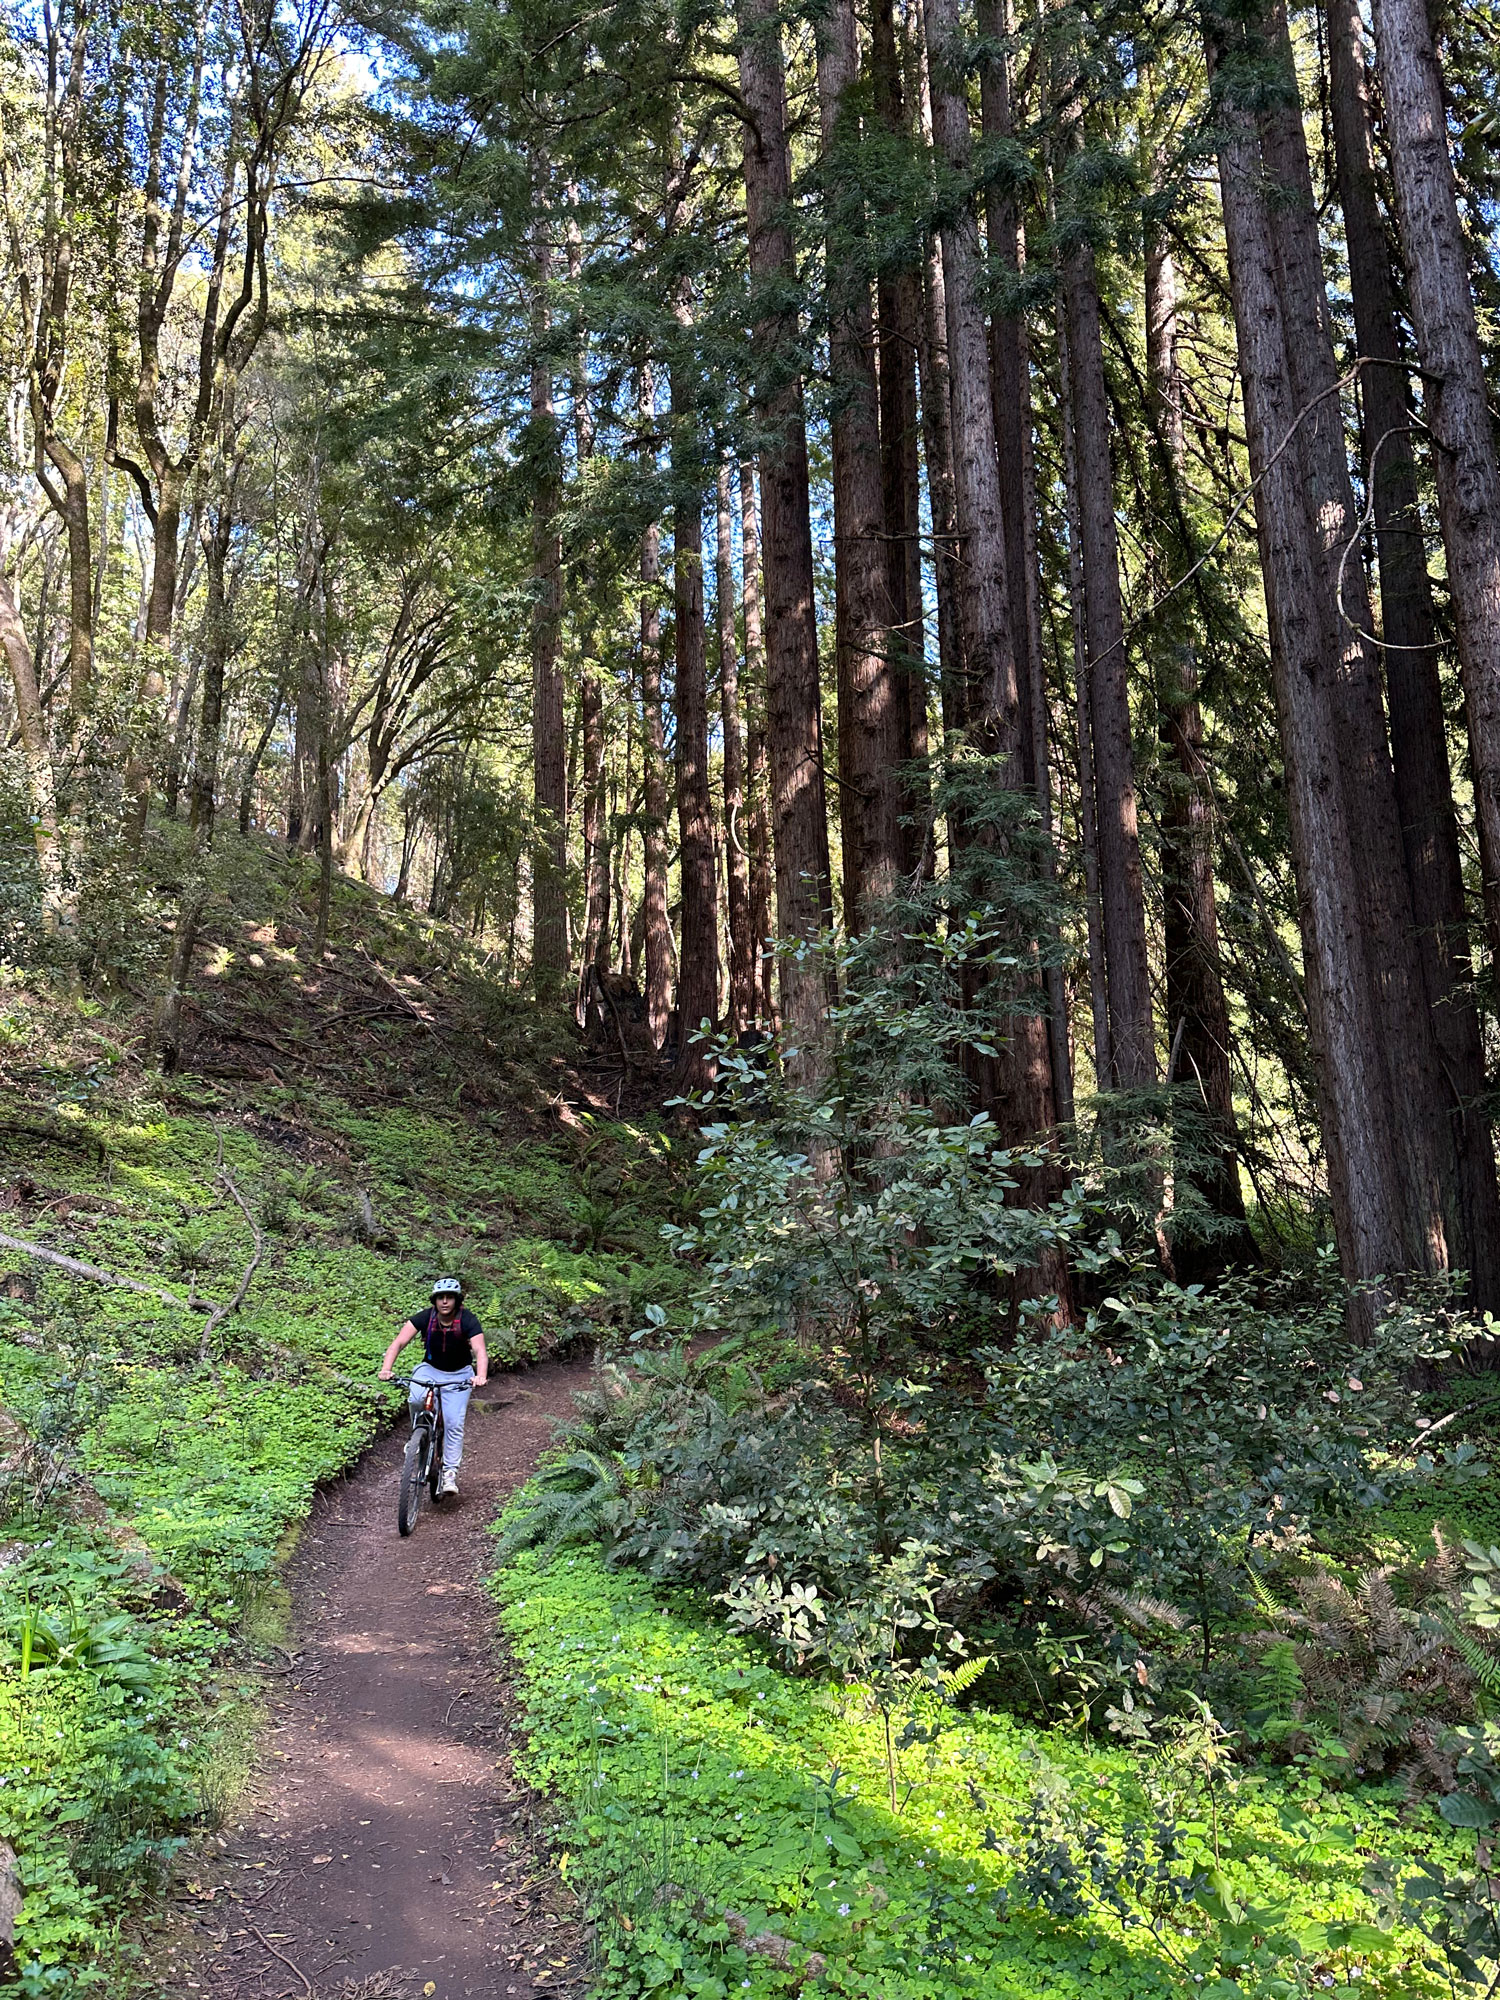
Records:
x=447, y=1349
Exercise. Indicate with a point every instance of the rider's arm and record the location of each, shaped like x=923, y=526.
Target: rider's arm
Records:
x=481, y=1361
x=407, y=1333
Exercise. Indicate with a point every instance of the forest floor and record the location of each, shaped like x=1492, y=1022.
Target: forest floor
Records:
x=201, y=1583
x=385, y=1847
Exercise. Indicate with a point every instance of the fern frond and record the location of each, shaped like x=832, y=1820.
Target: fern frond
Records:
x=958, y=1680
x=1482, y=1665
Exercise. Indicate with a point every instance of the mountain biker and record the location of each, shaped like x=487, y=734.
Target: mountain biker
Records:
x=454, y=1359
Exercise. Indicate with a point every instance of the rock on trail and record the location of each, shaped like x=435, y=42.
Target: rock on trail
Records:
x=383, y=1849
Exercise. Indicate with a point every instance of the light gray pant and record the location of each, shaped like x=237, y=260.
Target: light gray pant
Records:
x=456, y=1385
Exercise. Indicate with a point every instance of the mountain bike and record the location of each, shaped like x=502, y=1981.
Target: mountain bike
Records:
x=422, y=1464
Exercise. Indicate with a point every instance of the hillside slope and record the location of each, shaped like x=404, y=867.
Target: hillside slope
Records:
x=336, y=1132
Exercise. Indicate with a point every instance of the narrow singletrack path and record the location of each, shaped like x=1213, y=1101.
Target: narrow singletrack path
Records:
x=384, y=1850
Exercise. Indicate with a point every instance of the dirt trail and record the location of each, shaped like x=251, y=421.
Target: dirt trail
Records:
x=383, y=1851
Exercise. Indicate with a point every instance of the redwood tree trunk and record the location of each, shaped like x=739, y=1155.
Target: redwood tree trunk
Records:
x=899, y=308
x=1121, y=898
x=1021, y=1086
x=698, y=964
x=870, y=733
x=1409, y=628
x=1425, y=1156
x=756, y=756
x=804, y=899
x=659, y=955
x=1466, y=467
x=549, y=949
x=1356, y=1122
x=1197, y=1022
x=736, y=825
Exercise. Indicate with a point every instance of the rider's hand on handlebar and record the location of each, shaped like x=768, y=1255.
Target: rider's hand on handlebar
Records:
x=386, y=1373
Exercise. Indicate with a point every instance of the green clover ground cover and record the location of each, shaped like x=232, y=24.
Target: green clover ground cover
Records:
x=130, y=1626
x=698, y=1780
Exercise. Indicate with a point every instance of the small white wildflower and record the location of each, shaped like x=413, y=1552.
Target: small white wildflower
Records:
x=843, y=1909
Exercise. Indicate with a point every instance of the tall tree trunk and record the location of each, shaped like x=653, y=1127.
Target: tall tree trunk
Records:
x=736, y=825
x=756, y=757
x=659, y=955
x=804, y=894
x=1424, y=790
x=1122, y=900
x=1466, y=467
x=57, y=898
x=870, y=734
x=262, y=743
x=698, y=963
x=596, y=840
x=1088, y=831
x=1356, y=1122
x=1019, y=1086
x=933, y=364
x=595, y=833
x=899, y=310
x=1197, y=1022
x=549, y=949
x=1425, y=1156
x=75, y=495
x=216, y=636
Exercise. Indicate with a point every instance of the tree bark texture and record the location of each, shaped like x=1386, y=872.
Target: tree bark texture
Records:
x=804, y=901
x=1358, y=1142
x=1425, y=1156
x=549, y=948
x=1121, y=896
x=698, y=962
x=1197, y=1024
x=660, y=957
x=1409, y=630
x=1466, y=467
x=736, y=819
x=757, y=764
x=870, y=724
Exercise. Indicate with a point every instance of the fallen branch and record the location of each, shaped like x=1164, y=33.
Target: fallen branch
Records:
x=76, y=1268
x=220, y=1313
x=290, y=1964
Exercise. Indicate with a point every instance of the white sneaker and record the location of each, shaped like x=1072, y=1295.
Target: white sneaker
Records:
x=448, y=1484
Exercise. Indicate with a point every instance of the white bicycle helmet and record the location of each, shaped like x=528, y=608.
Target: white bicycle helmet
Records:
x=453, y=1285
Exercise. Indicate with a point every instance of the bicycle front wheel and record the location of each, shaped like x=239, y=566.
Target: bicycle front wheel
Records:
x=413, y=1473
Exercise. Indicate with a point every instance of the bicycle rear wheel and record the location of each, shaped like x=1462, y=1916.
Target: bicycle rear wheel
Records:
x=413, y=1473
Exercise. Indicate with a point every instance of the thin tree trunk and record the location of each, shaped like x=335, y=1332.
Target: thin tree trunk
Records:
x=1122, y=899
x=1197, y=1022
x=1425, y=1155
x=698, y=963
x=763, y=985
x=57, y=898
x=870, y=732
x=804, y=896
x=1344, y=1023
x=1409, y=629
x=736, y=826
x=1466, y=466
x=549, y=951
x=247, y=782
x=596, y=871
x=215, y=658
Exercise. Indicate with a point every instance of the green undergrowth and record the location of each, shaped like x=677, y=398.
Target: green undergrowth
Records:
x=711, y=1800
x=158, y=1481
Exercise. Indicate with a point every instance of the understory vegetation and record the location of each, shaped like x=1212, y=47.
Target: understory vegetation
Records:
x=156, y=1457
x=932, y=1642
